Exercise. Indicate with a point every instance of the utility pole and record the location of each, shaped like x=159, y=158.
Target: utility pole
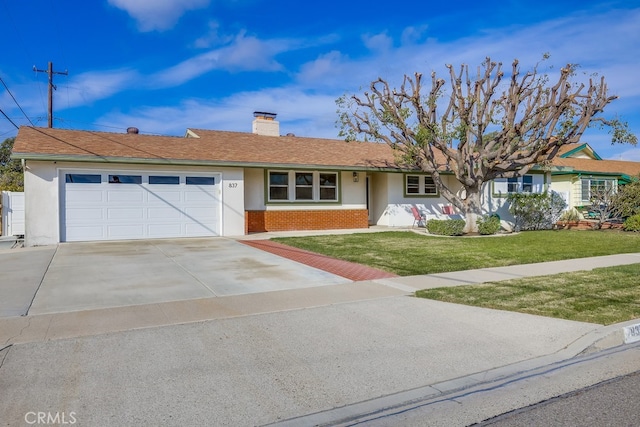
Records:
x=52, y=87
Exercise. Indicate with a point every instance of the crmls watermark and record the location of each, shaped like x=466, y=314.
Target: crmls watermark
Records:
x=55, y=418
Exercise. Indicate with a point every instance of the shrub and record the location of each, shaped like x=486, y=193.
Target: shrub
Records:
x=632, y=223
x=570, y=215
x=488, y=224
x=536, y=211
x=446, y=227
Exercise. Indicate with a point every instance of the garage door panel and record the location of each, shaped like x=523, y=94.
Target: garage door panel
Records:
x=125, y=214
x=126, y=231
x=201, y=214
x=199, y=196
x=88, y=232
x=161, y=208
x=168, y=213
x=165, y=230
x=164, y=197
x=125, y=196
x=85, y=214
x=84, y=195
x=202, y=229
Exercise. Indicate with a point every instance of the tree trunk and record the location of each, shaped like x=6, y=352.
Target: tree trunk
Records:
x=472, y=209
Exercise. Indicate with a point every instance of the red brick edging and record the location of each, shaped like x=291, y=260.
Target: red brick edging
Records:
x=348, y=270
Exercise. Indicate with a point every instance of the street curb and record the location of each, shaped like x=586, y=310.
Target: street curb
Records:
x=601, y=339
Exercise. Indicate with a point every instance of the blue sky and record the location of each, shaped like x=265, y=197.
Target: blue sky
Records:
x=166, y=65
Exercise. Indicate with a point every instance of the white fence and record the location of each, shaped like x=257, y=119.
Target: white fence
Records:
x=12, y=213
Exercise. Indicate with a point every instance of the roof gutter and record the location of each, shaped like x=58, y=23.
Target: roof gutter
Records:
x=183, y=162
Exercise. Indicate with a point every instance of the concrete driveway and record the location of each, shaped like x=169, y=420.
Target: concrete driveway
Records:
x=82, y=276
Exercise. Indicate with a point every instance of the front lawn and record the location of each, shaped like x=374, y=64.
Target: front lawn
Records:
x=602, y=295
x=407, y=253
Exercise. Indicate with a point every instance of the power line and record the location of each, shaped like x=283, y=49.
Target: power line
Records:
x=7, y=117
x=14, y=100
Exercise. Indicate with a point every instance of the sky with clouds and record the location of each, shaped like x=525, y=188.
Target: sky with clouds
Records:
x=165, y=66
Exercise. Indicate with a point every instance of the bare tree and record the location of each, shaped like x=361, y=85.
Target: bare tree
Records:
x=485, y=127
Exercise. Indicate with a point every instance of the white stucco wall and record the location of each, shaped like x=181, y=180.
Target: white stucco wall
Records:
x=42, y=213
x=43, y=189
x=254, y=189
x=393, y=208
x=564, y=186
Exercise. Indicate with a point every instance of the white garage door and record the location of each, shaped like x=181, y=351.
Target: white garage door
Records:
x=135, y=205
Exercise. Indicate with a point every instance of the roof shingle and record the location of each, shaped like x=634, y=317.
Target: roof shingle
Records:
x=218, y=147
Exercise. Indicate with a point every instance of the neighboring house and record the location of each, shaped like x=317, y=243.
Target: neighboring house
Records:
x=85, y=185
x=578, y=171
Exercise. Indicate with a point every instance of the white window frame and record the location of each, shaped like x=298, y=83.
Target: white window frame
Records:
x=420, y=188
x=607, y=183
x=521, y=184
x=293, y=185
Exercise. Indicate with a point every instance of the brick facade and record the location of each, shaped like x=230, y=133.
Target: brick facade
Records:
x=261, y=221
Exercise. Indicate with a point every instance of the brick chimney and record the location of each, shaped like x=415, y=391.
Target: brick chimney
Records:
x=265, y=124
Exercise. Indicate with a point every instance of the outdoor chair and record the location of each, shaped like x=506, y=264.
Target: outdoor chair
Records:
x=418, y=218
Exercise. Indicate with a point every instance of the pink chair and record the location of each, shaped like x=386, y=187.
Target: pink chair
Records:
x=418, y=218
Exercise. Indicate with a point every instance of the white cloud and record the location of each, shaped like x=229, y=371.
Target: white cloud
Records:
x=632, y=155
x=329, y=67
x=245, y=53
x=212, y=37
x=298, y=112
x=157, y=14
x=378, y=42
x=88, y=87
x=412, y=35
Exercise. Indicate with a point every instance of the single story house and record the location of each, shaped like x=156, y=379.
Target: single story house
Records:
x=86, y=185
x=578, y=171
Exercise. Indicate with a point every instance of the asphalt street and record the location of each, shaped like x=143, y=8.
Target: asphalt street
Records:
x=610, y=403
x=515, y=400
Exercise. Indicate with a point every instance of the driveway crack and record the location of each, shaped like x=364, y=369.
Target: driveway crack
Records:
x=42, y=280
x=204, y=285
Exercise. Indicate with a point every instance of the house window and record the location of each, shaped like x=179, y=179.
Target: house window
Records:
x=423, y=185
x=304, y=185
x=328, y=186
x=592, y=187
x=81, y=178
x=430, y=186
x=519, y=184
x=125, y=179
x=413, y=184
x=308, y=186
x=171, y=180
x=200, y=180
x=278, y=185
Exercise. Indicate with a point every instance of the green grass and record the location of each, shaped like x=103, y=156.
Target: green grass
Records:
x=407, y=253
x=603, y=295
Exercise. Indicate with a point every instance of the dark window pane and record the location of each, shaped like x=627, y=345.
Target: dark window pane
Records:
x=201, y=180
x=303, y=178
x=304, y=193
x=413, y=184
x=78, y=178
x=279, y=178
x=328, y=180
x=278, y=193
x=174, y=180
x=327, y=193
x=512, y=185
x=429, y=186
x=125, y=179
